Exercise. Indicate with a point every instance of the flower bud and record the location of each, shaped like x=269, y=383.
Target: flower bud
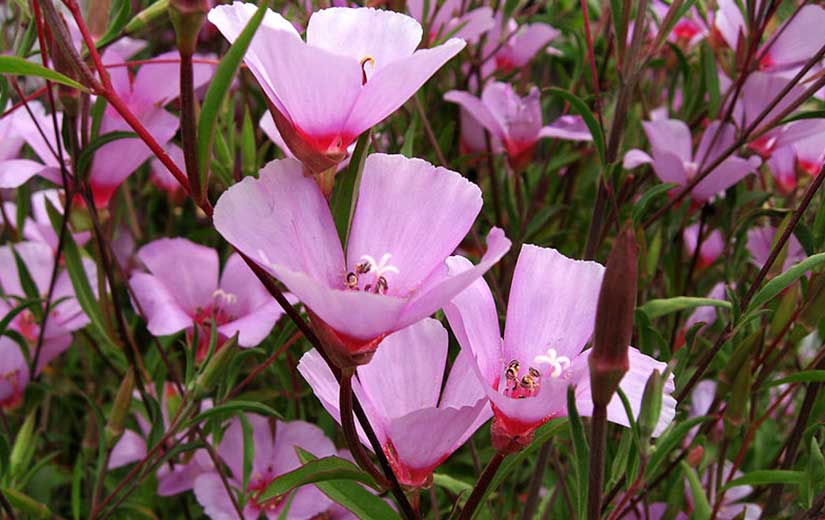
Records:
x=120, y=409
x=216, y=368
x=651, y=405
x=187, y=17
x=695, y=456
x=614, y=318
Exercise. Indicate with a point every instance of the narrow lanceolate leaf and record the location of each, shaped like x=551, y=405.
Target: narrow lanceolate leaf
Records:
x=26, y=281
x=806, y=376
x=666, y=444
x=701, y=506
x=581, y=452
x=318, y=470
x=219, y=86
x=122, y=10
x=147, y=16
x=345, y=194
x=233, y=407
x=80, y=280
x=19, y=67
x=23, y=503
x=779, y=283
x=661, y=307
x=351, y=495
x=580, y=107
x=764, y=477
x=656, y=192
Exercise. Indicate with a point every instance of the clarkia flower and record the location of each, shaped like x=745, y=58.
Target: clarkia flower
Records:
x=806, y=155
x=689, y=29
x=510, y=46
x=357, y=66
x=712, y=245
x=182, y=290
x=550, y=317
x=163, y=178
x=145, y=94
x=18, y=128
x=65, y=316
x=408, y=218
x=515, y=122
x=674, y=161
x=39, y=228
x=417, y=424
x=760, y=243
x=446, y=20
x=275, y=445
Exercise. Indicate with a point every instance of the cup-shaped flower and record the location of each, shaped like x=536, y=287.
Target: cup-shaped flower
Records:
x=65, y=316
x=181, y=290
x=674, y=160
x=275, y=444
x=409, y=217
x=417, y=424
x=550, y=317
x=515, y=122
x=711, y=247
x=760, y=242
x=510, y=46
x=145, y=94
x=357, y=66
x=446, y=20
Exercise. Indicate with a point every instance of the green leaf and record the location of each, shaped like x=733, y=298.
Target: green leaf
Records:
x=581, y=452
x=147, y=16
x=814, y=481
x=657, y=191
x=808, y=114
x=701, y=506
x=345, y=193
x=20, y=67
x=780, y=282
x=26, y=281
x=23, y=448
x=232, y=408
x=122, y=10
x=805, y=376
x=453, y=485
x=77, y=488
x=661, y=307
x=248, y=160
x=219, y=86
x=318, y=470
x=248, y=449
x=84, y=162
x=711, y=77
x=581, y=108
x=763, y=477
x=666, y=444
x=26, y=504
x=409, y=136
x=352, y=495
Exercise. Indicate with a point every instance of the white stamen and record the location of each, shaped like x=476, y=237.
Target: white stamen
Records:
x=559, y=363
x=381, y=267
x=225, y=296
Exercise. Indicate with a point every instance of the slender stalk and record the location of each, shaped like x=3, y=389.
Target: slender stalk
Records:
x=348, y=427
x=536, y=481
x=188, y=125
x=7, y=506
x=481, y=486
x=598, y=445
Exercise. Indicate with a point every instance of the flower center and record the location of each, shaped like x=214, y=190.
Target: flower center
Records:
x=528, y=385
x=257, y=486
x=27, y=325
x=690, y=169
x=369, y=275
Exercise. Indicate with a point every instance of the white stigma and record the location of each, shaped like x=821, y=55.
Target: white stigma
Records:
x=559, y=363
x=227, y=298
x=381, y=267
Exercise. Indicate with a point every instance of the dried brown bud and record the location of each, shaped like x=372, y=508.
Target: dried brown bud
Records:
x=614, y=318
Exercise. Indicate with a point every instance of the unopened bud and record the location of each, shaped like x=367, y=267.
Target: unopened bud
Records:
x=614, y=318
x=120, y=409
x=70, y=59
x=695, y=456
x=651, y=405
x=23, y=449
x=216, y=368
x=187, y=17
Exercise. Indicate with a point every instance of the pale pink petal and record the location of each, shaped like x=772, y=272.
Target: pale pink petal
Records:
x=731, y=171
x=231, y=448
x=635, y=158
x=729, y=21
x=39, y=261
x=472, y=25
x=783, y=167
x=716, y=139
x=414, y=211
x=130, y=448
x=798, y=39
x=159, y=83
x=290, y=435
x=282, y=218
x=707, y=313
x=712, y=244
x=14, y=370
x=213, y=497
x=163, y=313
x=633, y=385
x=478, y=111
x=189, y=271
x=15, y=172
x=406, y=372
x=669, y=135
x=360, y=33
x=669, y=168
x=559, y=315
x=161, y=175
x=529, y=40
x=571, y=128
x=391, y=86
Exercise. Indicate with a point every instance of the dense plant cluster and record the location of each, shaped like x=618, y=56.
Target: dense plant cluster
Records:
x=419, y=259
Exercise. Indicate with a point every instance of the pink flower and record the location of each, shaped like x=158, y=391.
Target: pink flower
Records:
x=447, y=20
x=550, y=318
x=180, y=473
x=409, y=217
x=761, y=240
x=275, y=443
x=145, y=94
x=182, y=289
x=64, y=318
x=510, y=47
x=39, y=228
x=516, y=122
x=418, y=425
x=163, y=178
x=18, y=128
x=689, y=29
x=707, y=313
x=674, y=161
x=805, y=154
x=712, y=245
x=357, y=66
